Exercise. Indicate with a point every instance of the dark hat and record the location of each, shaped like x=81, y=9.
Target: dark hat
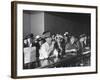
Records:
x=46, y=34
x=83, y=35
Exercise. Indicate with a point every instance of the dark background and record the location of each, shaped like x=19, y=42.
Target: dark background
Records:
x=76, y=23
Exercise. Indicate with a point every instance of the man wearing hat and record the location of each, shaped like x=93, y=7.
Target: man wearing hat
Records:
x=48, y=47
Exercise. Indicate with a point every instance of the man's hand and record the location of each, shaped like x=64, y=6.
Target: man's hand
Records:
x=74, y=50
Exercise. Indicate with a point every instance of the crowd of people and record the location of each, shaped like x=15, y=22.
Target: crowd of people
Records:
x=49, y=45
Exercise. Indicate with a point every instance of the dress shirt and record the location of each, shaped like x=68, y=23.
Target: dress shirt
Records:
x=45, y=50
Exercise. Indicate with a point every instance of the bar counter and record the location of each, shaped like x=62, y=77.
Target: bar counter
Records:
x=67, y=60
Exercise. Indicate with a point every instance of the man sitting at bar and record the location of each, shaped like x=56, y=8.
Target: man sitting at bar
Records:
x=48, y=47
x=72, y=46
